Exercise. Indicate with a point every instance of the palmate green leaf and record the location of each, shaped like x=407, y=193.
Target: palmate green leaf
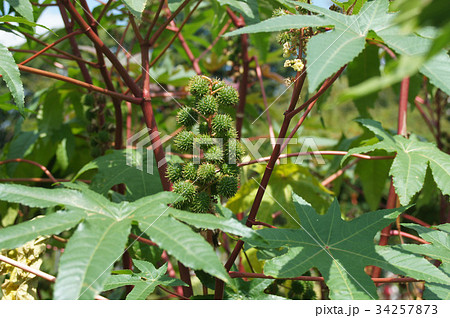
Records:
x=100, y=238
x=113, y=169
x=340, y=250
x=23, y=7
x=11, y=75
x=410, y=164
x=285, y=179
x=439, y=249
x=144, y=282
x=136, y=7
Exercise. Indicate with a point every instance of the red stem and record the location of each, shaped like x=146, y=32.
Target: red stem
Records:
x=319, y=279
x=91, y=87
x=413, y=237
x=415, y=220
x=105, y=50
x=324, y=152
x=160, y=30
x=50, y=46
x=43, y=168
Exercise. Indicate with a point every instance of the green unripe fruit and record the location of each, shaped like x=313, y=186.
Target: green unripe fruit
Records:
x=190, y=171
x=87, y=99
x=187, y=117
x=214, y=154
x=230, y=169
x=204, y=142
x=185, y=188
x=206, y=173
x=231, y=133
x=198, y=86
x=234, y=151
x=227, y=96
x=184, y=141
x=218, y=84
x=207, y=105
x=221, y=123
x=201, y=203
x=90, y=114
x=103, y=136
x=174, y=171
x=203, y=128
x=227, y=186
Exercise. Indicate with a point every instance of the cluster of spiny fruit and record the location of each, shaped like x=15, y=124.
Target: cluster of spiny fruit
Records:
x=209, y=135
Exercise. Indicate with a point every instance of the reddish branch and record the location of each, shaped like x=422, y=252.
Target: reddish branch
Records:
x=160, y=30
x=42, y=167
x=413, y=237
x=338, y=173
x=91, y=87
x=177, y=35
x=415, y=220
x=320, y=279
x=105, y=50
x=50, y=46
x=40, y=180
x=324, y=153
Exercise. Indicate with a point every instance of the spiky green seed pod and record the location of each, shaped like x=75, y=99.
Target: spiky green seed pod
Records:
x=227, y=186
x=218, y=84
x=233, y=151
x=207, y=105
x=229, y=169
x=87, y=99
x=90, y=114
x=201, y=203
x=203, y=128
x=227, y=96
x=181, y=204
x=184, y=141
x=203, y=141
x=103, y=136
x=214, y=154
x=231, y=133
x=185, y=188
x=221, y=123
x=187, y=117
x=190, y=171
x=206, y=173
x=174, y=172
x=198, y=86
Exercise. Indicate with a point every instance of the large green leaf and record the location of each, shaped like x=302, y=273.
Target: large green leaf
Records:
x=136, y=7
x=248, y=8
x=250, y=290
x=23, y=7
x=15, y=236
x=11, y=75
x=410, y=164
x=285, y=179
x=439, y=249
x=100, y=238
x=86, y=262
x=340, y=250
x=113, y=169
x=144, y=282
